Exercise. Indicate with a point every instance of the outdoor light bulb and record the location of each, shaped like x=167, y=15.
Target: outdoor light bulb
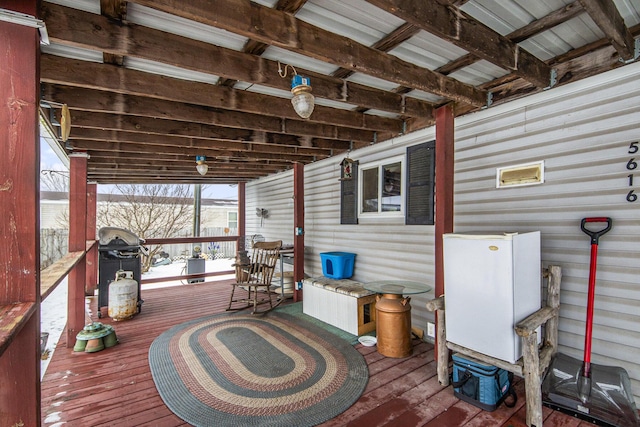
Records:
x=302, y=101
x=202, y=168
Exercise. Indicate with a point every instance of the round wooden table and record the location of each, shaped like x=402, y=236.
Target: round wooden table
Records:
x=393, y=315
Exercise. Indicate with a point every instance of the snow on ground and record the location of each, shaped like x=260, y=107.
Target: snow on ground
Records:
x=53, y=315
x=53, y=318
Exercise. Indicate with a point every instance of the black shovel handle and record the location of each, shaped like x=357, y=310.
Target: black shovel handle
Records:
x=595, y=235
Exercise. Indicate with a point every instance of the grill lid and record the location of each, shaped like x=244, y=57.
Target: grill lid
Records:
x=110, y=235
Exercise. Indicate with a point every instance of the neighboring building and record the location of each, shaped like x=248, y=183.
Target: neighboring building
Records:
x=217, y=217
x=54, y=210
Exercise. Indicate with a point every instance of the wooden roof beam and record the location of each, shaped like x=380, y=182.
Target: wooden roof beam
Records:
x=150, y=179
x=79, y=98
x=90, y=139
x=185, y=133
x=111, y=159
x=401, y=34
x=114, y=9
x=538, y=26
x=257, y=48
x=607, y=17
x=72, y=72
x=457, y=27
x=285, y=31
x=74, y=27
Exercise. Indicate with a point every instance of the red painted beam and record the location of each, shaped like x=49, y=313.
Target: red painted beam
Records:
x=19, y=200
x=242, y=217
x=91, y=282
x=444, y=187
x=298, y=228
x=444, y=190
x=77, y=242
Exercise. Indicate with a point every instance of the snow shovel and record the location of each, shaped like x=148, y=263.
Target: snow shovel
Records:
x=596, y=393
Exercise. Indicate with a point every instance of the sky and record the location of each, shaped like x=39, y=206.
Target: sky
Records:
x=49, y=160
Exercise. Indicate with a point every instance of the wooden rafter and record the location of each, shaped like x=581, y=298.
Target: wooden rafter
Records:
x=607, y=17
x=257, y=48
x=462, y=30
x=111, y=102
x=114, y=9
x=285, y=31
x=77, y=28
x=118, y=112
x=538, y=26
x=401, y=34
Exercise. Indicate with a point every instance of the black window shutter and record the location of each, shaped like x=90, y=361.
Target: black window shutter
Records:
x=349, y=198
x=420, y=184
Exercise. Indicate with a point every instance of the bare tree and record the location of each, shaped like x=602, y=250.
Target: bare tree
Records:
x=149, y=210
x=54, y=180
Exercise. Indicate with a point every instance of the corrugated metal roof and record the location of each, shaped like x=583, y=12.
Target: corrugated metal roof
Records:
x=159, y=20
x=363, y=23
x=357, y=20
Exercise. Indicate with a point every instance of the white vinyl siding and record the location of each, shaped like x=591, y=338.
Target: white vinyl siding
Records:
x=582, y=132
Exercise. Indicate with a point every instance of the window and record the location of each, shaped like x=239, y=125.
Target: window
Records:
x=232, y=219
x=381, y=188
x=403, y=185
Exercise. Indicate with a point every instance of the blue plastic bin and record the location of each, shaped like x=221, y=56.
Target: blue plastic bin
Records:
x=337, y=265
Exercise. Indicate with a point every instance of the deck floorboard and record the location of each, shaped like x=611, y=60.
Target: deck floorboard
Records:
x=114, y=387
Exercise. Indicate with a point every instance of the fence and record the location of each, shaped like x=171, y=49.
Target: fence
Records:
x=54, y=244
x=214, y=250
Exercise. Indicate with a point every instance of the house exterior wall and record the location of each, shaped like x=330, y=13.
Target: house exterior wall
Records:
x=54, y=214
x=584, y=132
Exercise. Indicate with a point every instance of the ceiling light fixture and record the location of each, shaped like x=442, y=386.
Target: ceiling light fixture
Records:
x=303, y=101
x=202, y=166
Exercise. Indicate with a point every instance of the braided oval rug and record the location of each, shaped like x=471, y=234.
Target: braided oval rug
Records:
x=246, y=370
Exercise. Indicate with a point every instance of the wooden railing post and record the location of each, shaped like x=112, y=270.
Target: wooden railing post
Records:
x=91, y=282
x=77, y=242
x=20, y=201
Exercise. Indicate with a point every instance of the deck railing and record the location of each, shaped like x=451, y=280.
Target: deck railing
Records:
x=51, y=276
x=191, y=240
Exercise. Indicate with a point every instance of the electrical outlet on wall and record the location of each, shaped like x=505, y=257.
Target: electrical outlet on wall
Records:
x=431, y=330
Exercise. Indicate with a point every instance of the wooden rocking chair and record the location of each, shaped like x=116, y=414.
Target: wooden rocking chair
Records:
x=255, y=277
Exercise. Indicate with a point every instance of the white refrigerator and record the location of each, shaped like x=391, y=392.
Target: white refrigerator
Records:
x=491, y=282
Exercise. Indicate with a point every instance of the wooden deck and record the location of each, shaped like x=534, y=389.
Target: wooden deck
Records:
x=114, y=387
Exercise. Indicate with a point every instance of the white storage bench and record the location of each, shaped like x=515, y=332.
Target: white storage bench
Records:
x=343, y=303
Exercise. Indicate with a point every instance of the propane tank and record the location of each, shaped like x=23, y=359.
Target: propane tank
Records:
x=123, y=296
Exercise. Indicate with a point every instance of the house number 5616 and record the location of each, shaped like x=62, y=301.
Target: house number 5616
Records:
x=631, y=166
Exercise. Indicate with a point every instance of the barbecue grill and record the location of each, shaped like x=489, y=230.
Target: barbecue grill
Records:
x=118, y=249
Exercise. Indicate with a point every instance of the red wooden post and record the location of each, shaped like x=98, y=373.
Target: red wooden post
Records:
x=91, y=282
x=444, y=186
x=444, y=189
x=298, y=227
x=242, y=217
x=77, y=242
x=20, y=204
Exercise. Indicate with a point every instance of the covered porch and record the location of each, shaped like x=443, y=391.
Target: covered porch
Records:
x=145, y=101
x=115, y=387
